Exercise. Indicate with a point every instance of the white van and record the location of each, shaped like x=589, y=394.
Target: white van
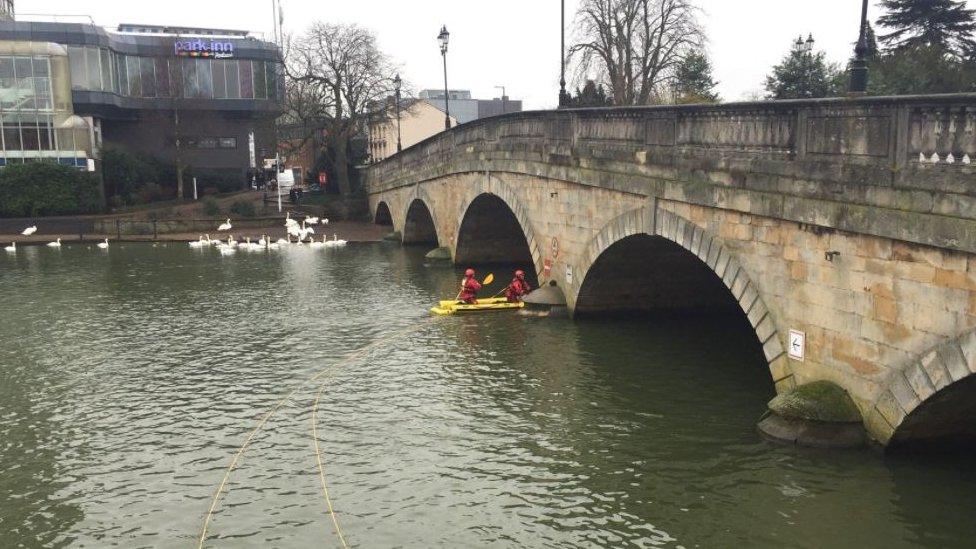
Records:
x=286, y=180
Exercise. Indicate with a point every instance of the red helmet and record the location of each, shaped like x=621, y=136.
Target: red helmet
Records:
x=520, y=273
x=469, y=273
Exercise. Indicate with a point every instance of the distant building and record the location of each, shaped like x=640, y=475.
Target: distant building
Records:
x=6, y=10
x=418, y=121
x=465, y=109
x=67, y=89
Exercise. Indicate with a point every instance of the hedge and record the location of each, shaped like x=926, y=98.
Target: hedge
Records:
x=42, y=188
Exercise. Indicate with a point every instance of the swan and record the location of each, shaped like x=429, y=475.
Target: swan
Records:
x=55, y=244
x=284, y=241
x=263, y=241
x=316, y=244
x=225, y=226
x=325, y=221
x=12, y=247
x=338, y=242
x=198, y=243
x=29, y=230
x=103, y=245
x=231, y=242
x=312, y=220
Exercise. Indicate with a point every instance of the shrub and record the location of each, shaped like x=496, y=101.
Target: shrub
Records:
x=210, y=207
x=42, y=188
x=242, y=208
x=152, y=192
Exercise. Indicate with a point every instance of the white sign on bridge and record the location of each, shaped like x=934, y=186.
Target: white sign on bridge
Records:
x=797, y=345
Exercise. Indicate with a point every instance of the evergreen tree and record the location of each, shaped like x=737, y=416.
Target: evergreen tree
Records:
x=944, y=24
x=920, y=70
x=803, y=74
x=693, y=81
x=592, y=95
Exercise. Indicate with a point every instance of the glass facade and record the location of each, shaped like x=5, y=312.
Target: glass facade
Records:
x=26, y=104
x=99, y=69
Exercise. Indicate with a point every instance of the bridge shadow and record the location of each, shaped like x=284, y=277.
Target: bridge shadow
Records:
x=946, y=422
x=418, y=227
x=652, y=278
x=490, y=235
x=383, y=215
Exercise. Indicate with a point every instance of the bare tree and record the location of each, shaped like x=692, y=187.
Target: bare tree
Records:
x=633, y=46
x=337, y=72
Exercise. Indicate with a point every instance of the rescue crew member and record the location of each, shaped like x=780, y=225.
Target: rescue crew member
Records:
x=469, y=288
x=518, y=288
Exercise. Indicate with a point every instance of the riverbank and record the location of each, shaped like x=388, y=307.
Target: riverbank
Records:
x=351, y=231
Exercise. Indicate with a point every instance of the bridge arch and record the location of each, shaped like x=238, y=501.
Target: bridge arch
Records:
x=418, y=223
x=701, y=273
x=494, y=227
x=382, y=216
x=931, y=401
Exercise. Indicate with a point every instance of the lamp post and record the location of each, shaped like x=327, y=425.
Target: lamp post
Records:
x=859, y=67
x=443, y=38
x=563, y=98
x=503, y=97
x=396, y=97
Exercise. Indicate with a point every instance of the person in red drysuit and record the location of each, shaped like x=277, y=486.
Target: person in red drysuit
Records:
x=518, y=288
x=469, y=287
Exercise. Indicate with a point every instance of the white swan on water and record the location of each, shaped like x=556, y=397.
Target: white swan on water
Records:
x=103, y=245
x=316, y=244
x=55, y=244
x=12, y=247
x=199, y=243
x=29, y=230
x=312, y=220
x=226, y=226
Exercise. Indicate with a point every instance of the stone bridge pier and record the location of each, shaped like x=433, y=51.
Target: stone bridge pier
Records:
x=842, y=231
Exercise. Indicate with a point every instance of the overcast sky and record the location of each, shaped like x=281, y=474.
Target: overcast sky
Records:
x=514, y=43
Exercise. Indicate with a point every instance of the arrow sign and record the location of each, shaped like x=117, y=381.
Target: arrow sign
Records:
x=797, y=345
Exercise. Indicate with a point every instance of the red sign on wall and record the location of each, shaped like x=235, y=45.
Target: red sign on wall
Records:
x=323, y=179
x=546, y=268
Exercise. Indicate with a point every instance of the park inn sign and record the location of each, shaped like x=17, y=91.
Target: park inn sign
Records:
x=199, y=48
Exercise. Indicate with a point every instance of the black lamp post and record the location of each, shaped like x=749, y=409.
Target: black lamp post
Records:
x=443, y=38
x=859, y=68
x=396, y=97
x=563, y=98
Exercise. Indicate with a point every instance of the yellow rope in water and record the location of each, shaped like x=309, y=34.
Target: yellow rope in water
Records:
x=240, y=452
x=318, y=459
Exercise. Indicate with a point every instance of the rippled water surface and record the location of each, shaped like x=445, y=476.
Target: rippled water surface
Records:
x=130, y=378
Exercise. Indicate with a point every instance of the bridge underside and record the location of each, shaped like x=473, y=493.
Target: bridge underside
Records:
x=418, y=227
x=644, y=274
x=490, y=234
x=945, y=420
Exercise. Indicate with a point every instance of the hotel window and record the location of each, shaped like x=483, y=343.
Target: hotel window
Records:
x=197, y=78
x=148, y=75
x=79, y=71
x=27, y=132
x=162, y=77
x=134, y=70
x=207, y=143
x=122, y=73
x=107, y=71
x=227, y=142
x=260, y=80
x=233, y=81
x=219, y=78
x=94, y=64
x=247, y=84
x=25, y=84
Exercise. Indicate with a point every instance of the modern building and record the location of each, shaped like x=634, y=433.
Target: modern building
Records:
x=465, y=109
x=204, y=97
x=418, y=121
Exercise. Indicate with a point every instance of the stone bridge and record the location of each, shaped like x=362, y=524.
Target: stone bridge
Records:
x=852, y=221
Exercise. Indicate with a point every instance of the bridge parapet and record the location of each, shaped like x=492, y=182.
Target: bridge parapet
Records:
x=899, y=167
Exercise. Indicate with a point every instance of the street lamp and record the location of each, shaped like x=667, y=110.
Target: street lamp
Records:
x=443, y=38
x=503, y=97
x=859, y=67
x=396, y=97
x=563, y=98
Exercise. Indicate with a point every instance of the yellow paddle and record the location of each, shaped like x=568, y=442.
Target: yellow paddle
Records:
x=488, y=280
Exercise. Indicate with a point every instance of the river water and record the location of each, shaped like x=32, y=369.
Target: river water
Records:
x=129, y=378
